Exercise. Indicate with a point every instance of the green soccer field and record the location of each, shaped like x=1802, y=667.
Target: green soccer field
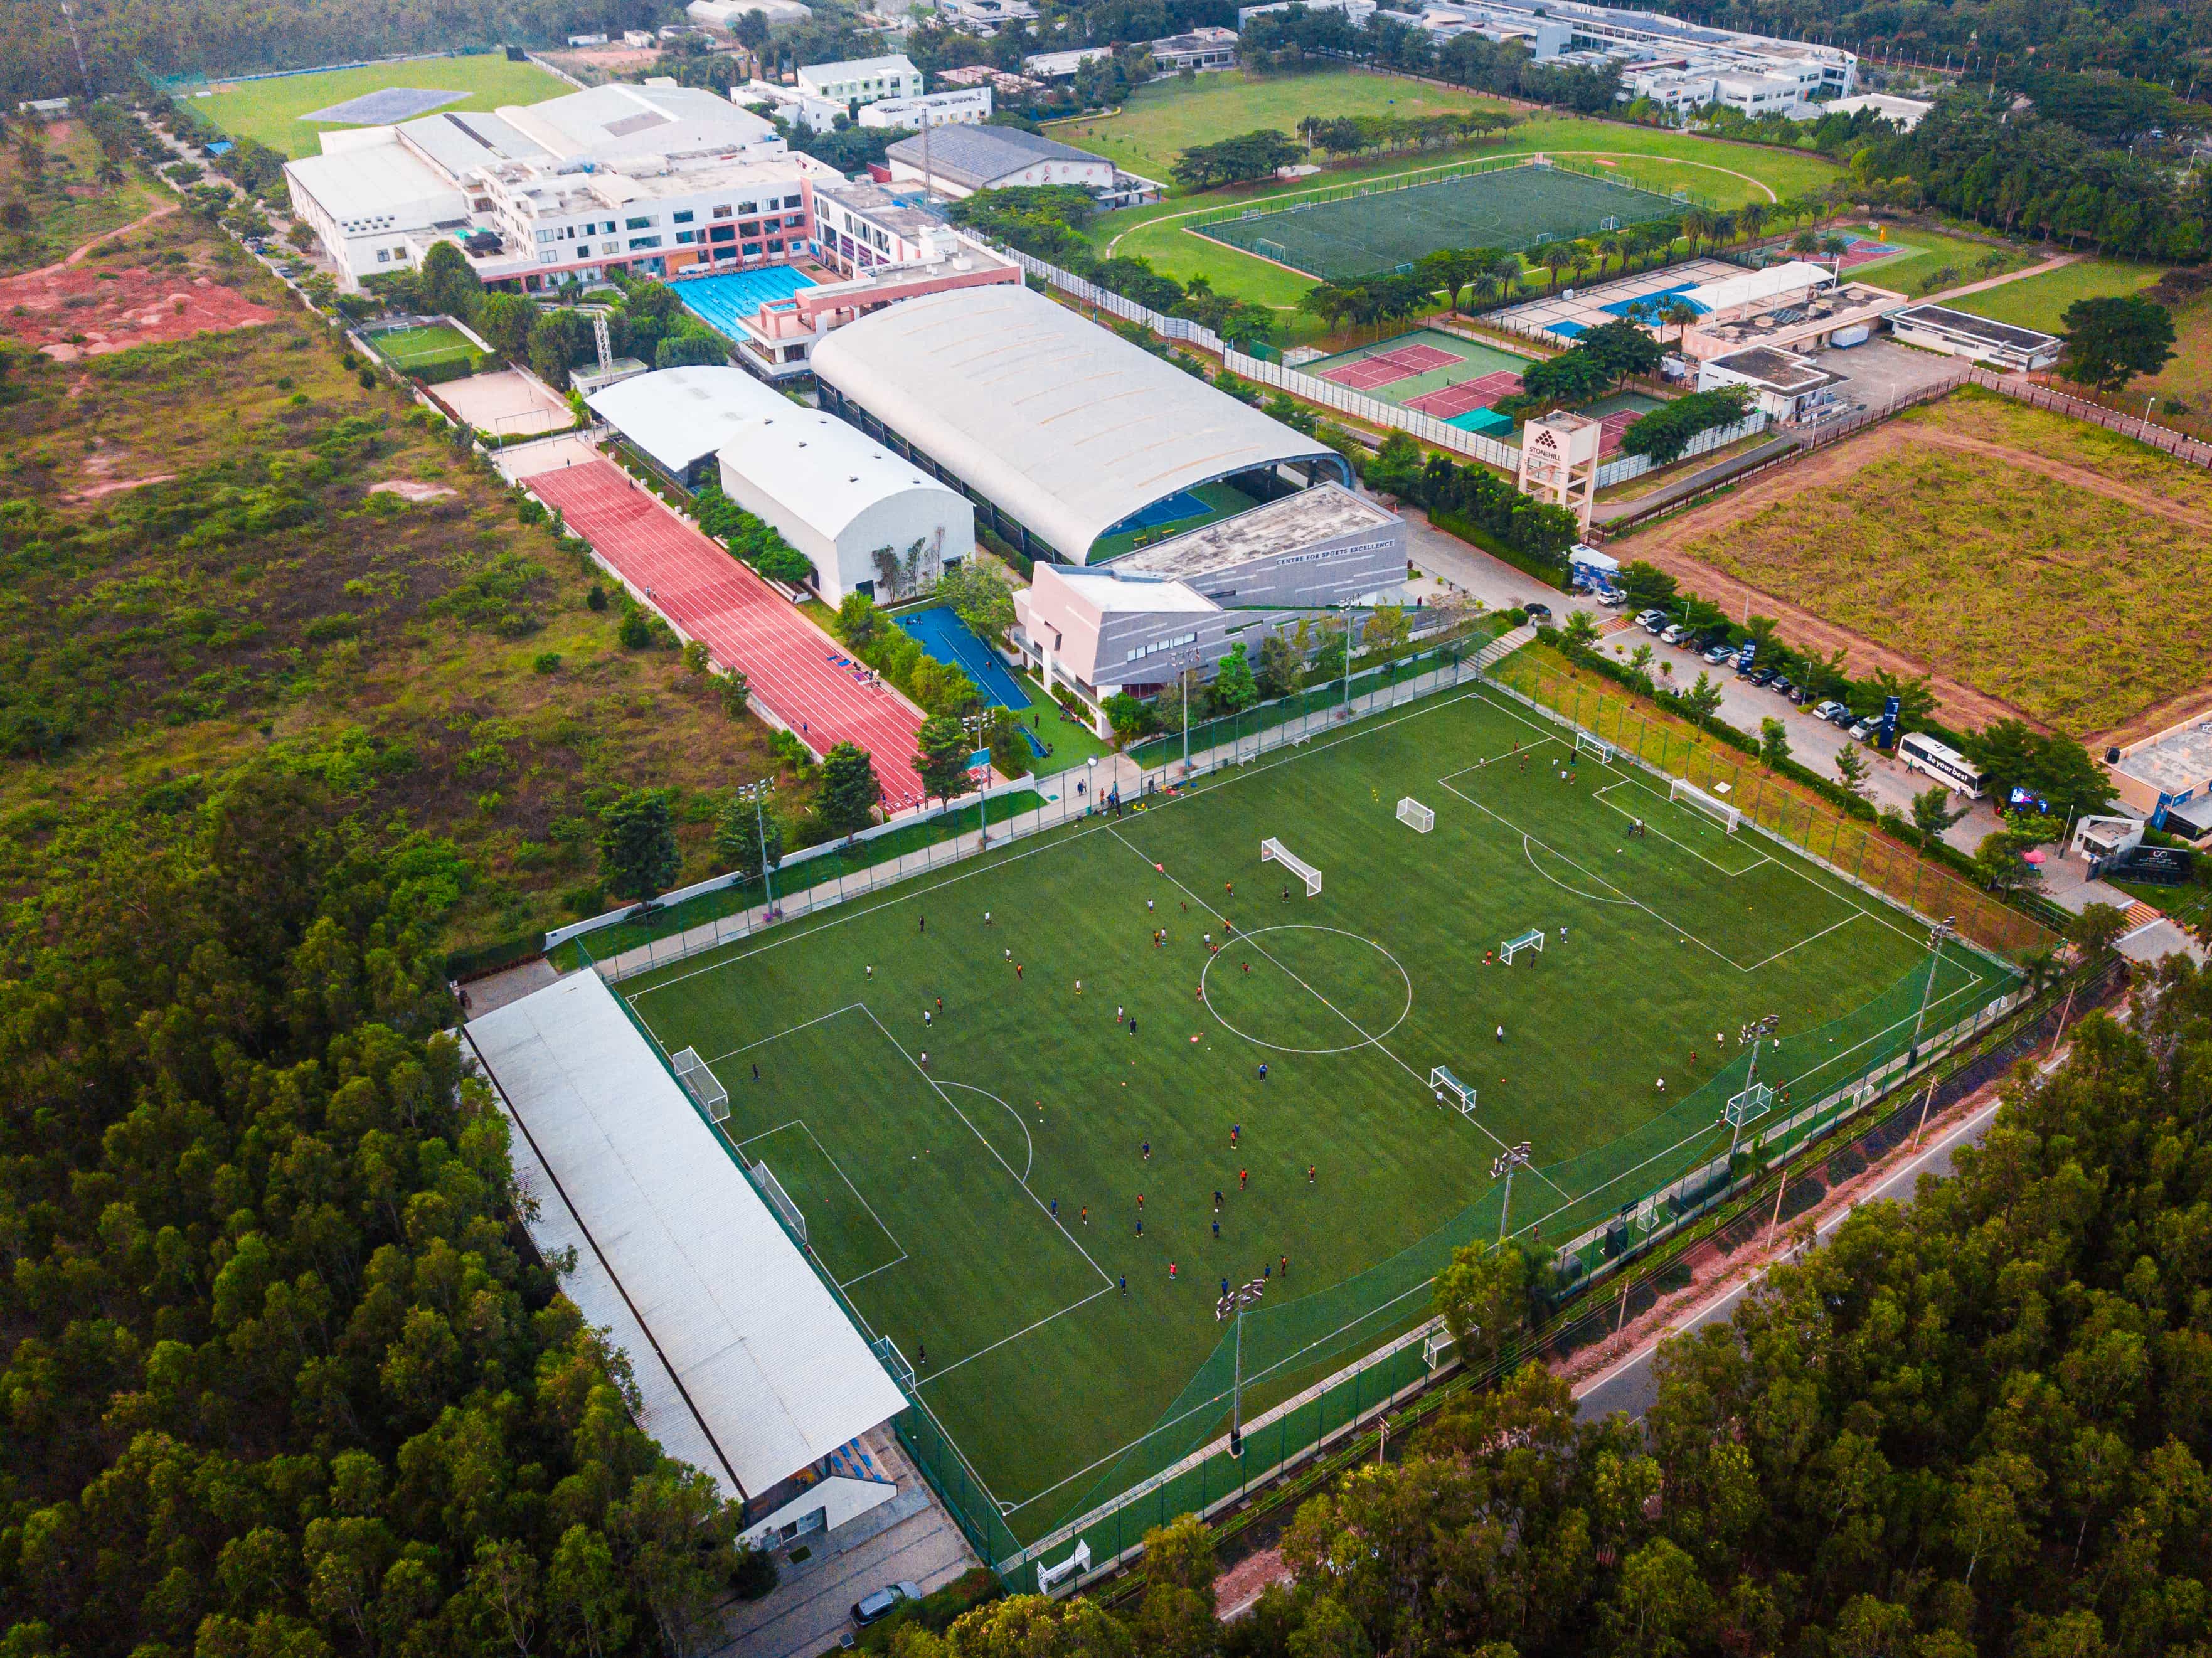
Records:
x=415, y=346
x=983, y=1211
x=271, y=110
x=1512, y=207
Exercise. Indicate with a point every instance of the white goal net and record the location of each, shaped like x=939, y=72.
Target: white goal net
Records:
x=1415, y=816
x=700, y=1083
x=778, y=1199
x=1451, y=1092
x=1274, y=851
x=1532, y=939
x=1585, y=744
x=1713, y=807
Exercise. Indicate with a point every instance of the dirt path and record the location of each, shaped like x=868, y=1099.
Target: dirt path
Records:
x=79, y=255
x=1806, y=631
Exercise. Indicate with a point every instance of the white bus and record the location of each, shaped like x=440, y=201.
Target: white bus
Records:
x=1945, y=764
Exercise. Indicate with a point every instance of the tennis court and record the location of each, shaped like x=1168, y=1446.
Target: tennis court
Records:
x=1431, y=372
x=1511, y=208
x=1616, y=414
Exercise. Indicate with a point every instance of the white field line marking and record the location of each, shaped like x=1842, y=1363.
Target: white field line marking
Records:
x=1028, y=1163
x=938, y=1376
x=1631, y=782
x=779, y=1036
x=1366, y=1039
x=956, y=1110
x=1528, y=850
x=837, y=1169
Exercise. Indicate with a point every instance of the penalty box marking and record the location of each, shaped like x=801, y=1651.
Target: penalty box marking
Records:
x=837, y=1169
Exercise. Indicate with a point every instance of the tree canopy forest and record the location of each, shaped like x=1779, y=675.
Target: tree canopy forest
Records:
x=126, y=40
x=283, y=1376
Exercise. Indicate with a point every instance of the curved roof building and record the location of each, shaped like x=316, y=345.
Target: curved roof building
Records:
x=1064, y=434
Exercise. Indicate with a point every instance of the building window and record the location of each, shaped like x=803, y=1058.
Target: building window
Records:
x=722, y=233
x=775, y=244
x=686, y=236
x=791, y=201
x=752, y=229
x=684, y=217
x=644, y=223
x=722, y=212
x=636, y=242
x=752, y=249
x=383, y=256
x=545, y=235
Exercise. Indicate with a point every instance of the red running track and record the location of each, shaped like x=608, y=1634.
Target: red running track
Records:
x=745, y=623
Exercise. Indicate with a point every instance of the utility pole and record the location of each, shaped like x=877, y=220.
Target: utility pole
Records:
x=1936, y=934
x=973, y=723
x=758, y=793
x=1232, y=1305
x=1512, y=1158
x=1347, y=608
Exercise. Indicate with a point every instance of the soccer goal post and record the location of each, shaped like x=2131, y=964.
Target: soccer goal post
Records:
x=1451, y=1092
x=1532, y=939
x=1585, y=744
x=778, y=1200
x=1272, y=851
x=1415, y=816
x=701, y=1083
x=1698, y=801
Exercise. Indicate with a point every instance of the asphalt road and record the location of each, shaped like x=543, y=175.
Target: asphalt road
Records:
x=1631, y=1386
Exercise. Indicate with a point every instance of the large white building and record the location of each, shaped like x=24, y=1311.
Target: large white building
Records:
x=965, y=159
x=655, y=180
x=960, y=107
x=827, y=488
x=862, y=80
x=1064, y=434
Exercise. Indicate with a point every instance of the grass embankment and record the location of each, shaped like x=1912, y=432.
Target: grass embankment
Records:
x=198, y=567
x=270, y=109
x=2039, y=301
x=2042, y=559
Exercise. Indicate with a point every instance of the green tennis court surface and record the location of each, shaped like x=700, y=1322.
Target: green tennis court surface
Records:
x=930, y=1193
x=1512, y=207
x=427, y=342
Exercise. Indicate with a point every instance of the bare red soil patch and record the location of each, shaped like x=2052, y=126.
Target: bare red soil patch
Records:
x=73, y=311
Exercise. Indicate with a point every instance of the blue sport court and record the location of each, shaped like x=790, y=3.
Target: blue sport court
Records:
x=720, y=301
x=940, y=631
x=1170, y=509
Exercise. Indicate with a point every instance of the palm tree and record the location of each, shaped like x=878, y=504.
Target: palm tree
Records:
x=1696, y=225
x=1834, y=246
x=1679, y=315
x=1752, y=217
x=1804, y=242
x=1723, y=227
x=1585, y=255
x=1610, y=246
x=1556, y=257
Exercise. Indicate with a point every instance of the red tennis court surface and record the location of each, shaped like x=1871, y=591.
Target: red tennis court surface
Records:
x=1613, y=425
x=1387, y=365
x=792, y=665
x=1468, y=395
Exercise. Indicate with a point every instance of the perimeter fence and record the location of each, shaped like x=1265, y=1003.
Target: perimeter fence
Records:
x=1605, y=1208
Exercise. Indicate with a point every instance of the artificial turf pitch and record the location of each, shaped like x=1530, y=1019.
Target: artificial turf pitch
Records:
x=423, y=343
x=929, y=1194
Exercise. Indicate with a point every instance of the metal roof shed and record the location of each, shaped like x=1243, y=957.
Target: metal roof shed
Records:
x=739, y=1333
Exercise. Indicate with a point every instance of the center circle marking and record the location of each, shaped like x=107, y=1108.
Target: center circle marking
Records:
x=1366, y=1039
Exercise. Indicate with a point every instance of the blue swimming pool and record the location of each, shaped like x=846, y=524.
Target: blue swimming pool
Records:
x=720, y=301
x=1656, y=303
x=940, y=631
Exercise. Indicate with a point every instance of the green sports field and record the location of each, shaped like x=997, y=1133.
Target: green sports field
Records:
x=983, y=1211
x=1511, y=208
x=420, y=344
x=270, y=110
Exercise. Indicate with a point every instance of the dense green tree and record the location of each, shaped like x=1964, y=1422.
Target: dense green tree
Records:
x=450, y=283
x=850, y=791
x=1277, y=674
x=941, y=756
x=2110, y=341
x=1234, y=689
x=1933, y=813
x=637, y=845
x=742, y=833
x=505, y=321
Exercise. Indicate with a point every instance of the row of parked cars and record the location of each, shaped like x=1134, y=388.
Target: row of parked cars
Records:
x=1714, y=647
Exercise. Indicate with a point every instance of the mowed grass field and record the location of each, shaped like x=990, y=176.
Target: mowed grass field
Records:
x=2039, y=301
x=1932, y=253
x=270, y=109
x=984, y=1210
x=1166, y=117
x=2042, y=559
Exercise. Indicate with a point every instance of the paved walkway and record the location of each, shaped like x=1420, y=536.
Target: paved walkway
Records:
x=2057, y=261
x=1609, y=512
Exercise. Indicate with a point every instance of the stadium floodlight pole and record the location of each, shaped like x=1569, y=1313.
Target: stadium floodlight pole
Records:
x=1232, y=1305
x=757, y=793
x=1936, y=934
x=1346, y=607
x=1512, y=1158
x=973, y=725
